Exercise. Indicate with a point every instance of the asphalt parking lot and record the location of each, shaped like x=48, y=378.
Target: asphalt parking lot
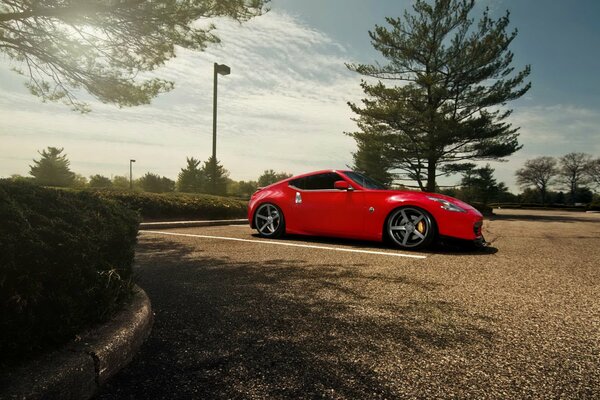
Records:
x=237, y=316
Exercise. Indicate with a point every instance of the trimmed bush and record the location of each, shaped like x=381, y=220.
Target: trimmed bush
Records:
x=153, y=206
x=65, y=264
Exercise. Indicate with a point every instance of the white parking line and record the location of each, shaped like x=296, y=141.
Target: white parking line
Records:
x=308, y=246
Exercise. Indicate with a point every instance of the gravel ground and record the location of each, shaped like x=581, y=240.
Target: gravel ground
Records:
x=254, y=321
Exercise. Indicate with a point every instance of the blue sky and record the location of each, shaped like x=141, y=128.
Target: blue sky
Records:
x=284, y=105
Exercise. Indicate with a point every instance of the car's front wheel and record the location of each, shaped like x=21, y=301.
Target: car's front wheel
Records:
x=411, y=228
x=269, y=221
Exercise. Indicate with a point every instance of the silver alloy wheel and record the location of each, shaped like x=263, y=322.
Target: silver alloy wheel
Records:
x=410, y=227
x=267, y=219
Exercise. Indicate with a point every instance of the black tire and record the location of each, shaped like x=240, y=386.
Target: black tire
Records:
x=410, y=228
x=269, y=221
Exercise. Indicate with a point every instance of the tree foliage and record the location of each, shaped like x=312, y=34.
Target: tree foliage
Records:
x=243, y=189
x=100, y=181
x=371, y=157
x=247, y=188
x=479, y=185
x=269, y=177
x=103, y=46
x=593, y=172
x=120, y=182
x=572, y=172
x=156, y=184
x=52, y=169
x=216, y=176
x=455, y=76
x=539, y=172
x=191, y=179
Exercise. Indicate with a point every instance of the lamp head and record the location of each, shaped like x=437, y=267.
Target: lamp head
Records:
x=222, y=69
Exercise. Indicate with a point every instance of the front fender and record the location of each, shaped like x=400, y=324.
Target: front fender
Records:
x=448, y=223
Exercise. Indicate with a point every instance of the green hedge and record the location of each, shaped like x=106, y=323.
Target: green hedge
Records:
x=65, y=264
x=153, y=206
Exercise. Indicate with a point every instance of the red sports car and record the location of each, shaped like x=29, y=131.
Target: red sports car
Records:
x=351, y=205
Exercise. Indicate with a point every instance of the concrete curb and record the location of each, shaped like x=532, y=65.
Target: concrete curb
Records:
x=77, y=370
x=190, y=224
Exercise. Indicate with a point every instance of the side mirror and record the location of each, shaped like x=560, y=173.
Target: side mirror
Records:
x=342, y=185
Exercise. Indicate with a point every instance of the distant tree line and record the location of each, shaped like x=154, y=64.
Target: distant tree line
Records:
x=53, y=169
x=569, y=179
x=575, y=173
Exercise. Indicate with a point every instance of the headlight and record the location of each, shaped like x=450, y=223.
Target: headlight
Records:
x=446, y=205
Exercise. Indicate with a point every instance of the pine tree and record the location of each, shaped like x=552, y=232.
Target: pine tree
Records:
x=191, y=179
x=104, y=46
x=52, y=169
x=454, y=77
x=371, y=155
x=216, y=176
x=479, y=185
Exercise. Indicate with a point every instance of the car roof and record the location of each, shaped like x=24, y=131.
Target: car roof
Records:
x=323, y=171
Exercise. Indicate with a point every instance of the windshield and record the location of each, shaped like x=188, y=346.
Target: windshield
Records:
x=364, y=181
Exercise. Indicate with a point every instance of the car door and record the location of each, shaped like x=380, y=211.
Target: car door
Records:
x=323, y=210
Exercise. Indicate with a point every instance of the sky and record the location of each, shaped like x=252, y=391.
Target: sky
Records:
x=284, y=106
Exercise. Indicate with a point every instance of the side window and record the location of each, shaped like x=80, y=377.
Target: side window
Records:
x=299, y=183
x=321, y=181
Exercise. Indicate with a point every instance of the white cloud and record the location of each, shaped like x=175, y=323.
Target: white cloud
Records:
x=282, y=107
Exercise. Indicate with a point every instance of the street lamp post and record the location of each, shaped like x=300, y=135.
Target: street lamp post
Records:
x=223, y=70
x=131, y=174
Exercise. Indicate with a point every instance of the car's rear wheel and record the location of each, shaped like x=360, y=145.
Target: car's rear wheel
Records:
x=410, y=228
x=269, y=221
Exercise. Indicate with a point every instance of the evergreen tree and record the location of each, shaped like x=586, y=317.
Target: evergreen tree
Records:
x=216, y=176
x=52, y=169
x=269, y=177
x=371, y=155
x=454, y=76
x=191, y=179
x=479, y=185
x=104, y=46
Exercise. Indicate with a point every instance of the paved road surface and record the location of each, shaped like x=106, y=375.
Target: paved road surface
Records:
x=252, y=319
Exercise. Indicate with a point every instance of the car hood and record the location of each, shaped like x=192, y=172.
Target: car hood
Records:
x=424, y=196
